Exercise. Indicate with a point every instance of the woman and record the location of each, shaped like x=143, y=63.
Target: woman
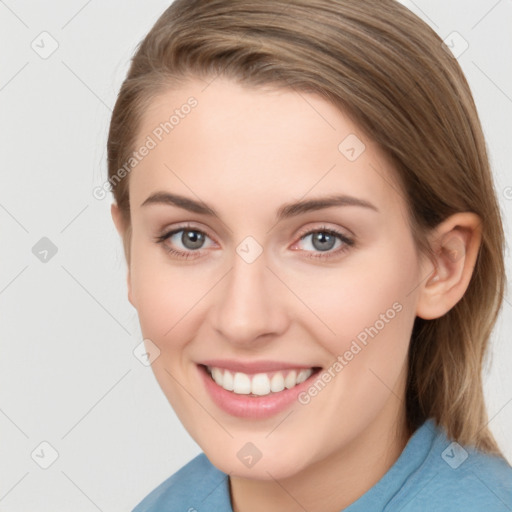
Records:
x=315, y=253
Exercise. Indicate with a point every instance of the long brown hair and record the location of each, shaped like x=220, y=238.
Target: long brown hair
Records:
x=389, y=71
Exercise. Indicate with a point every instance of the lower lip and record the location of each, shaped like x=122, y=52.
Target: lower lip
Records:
x=254, y=407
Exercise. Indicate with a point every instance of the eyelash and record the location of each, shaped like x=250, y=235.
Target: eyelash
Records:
x=348, y=242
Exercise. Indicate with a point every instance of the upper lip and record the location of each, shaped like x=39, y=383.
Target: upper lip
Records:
x=254, y=366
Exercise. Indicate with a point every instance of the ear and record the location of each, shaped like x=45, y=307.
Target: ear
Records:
x=456, y=243
x=125, y=234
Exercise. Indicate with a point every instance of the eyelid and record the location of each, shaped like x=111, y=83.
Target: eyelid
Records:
x=348, y=241
x=170, y=231
x=325, y=228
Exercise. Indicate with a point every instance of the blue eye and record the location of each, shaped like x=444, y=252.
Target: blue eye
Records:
x=321, y=243
x=191, y=241
x=188, y=242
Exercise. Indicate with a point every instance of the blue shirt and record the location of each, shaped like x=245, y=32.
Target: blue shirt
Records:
x=431, y=474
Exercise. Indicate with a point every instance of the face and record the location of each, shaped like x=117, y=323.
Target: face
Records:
x=271, y=248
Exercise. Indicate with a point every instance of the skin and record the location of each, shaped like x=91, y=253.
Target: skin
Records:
x=246, y=152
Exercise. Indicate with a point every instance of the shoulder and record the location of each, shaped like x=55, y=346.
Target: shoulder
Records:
x=195, y=486
x=480, y=481
x=462, y=477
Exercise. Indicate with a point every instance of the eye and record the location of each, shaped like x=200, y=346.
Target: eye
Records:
x=184, y=241
x=324, y=243
x=188, y=242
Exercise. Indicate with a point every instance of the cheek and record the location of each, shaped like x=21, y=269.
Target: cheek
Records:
x=164, y=294
x=365, y=290
x=367, y=311
x=374, y=330
x=168, y=305
x=164, y=308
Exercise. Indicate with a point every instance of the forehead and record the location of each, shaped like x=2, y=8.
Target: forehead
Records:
x=256, y=145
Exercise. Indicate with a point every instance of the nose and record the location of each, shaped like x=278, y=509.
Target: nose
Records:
x=250, y=306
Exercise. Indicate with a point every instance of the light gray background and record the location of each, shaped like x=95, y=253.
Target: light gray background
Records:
x=67, y=372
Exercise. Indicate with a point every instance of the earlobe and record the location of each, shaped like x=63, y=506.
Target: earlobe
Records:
x=456, y=243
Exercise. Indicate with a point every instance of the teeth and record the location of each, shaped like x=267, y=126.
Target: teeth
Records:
x=259, y=384
x=217, y=375
x=228, y=381
x=302, y=376
x=277, y=382
x=241, y=384
x=290, y=380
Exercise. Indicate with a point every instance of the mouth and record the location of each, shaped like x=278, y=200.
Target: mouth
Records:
x=259, y=384
x=260, y=391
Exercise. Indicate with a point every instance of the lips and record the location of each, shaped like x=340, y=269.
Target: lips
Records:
x=252, y=367
x=255, y=390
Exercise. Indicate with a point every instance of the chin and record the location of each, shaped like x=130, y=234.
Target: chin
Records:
x=268, y=467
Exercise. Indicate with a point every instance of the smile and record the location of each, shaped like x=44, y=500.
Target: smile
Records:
x=259, y=384
x=260, y=391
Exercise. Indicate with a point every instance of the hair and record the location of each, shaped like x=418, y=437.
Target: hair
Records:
x=390, y=73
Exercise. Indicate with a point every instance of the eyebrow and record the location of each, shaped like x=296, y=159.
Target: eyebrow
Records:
x=284, y=212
